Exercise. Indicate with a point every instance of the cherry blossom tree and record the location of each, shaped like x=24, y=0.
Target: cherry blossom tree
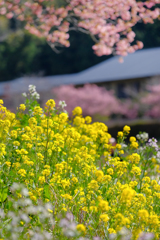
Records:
x=151, y=101
x=109, y=22
x=95, y=101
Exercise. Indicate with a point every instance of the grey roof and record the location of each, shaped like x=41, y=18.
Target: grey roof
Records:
x=142, y=63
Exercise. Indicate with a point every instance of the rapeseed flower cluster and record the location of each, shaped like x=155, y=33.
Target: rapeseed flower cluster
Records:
x=73, y=165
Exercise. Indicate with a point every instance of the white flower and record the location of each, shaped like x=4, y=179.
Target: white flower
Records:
x=143, y=136
x=112, y=236
x=158, y=156
x=25, y=218
x=152, y=142
x=24, y=192
x=123, y=145
x=36, y=95
x=62, y=104
x=32, y=88
x=146, y=236
x=24, y=94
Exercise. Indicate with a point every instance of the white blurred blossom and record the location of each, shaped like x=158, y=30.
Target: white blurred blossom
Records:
x=24, y=94
x=152, y=142
x=62, y=104
x=32, y=88
x=143, y=136
x=33, y=92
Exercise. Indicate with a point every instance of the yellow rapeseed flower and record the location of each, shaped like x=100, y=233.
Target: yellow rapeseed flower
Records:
x=51, y=103
x=77, y=120
x=143, y=215
x=134, y=145
x=104, y=217
x=22, y=107
x=77, y=111
x=126, y=129
x=127, y=194
x=88, y=119
x=103, y=205
x=132, y=139
x=8, y=163
x=120, y=134
x=22, y=172
x=41, y=179
x=81, y=228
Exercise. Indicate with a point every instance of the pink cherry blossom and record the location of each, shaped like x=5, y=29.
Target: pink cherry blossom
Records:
x=151, y=101
x=108, y=22
x=94, y=101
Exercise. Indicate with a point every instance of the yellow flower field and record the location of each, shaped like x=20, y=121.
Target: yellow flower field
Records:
x=69, y=170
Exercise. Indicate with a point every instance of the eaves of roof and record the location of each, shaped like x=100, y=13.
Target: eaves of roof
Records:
x=141, y=64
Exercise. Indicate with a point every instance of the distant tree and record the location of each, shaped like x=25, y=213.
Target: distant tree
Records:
x=151, y=101
x=109, y=23
x=149, y=34
x=23, y=54
x=18, y=54
x=95, y=101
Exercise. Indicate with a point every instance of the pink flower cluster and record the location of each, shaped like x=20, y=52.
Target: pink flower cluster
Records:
x=108, y=22
x=131, y=109
x=152, y=100
x=94, y=100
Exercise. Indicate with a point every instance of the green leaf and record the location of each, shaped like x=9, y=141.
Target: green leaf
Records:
x=47, y=191
x=3, y=194
x=27, y=101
